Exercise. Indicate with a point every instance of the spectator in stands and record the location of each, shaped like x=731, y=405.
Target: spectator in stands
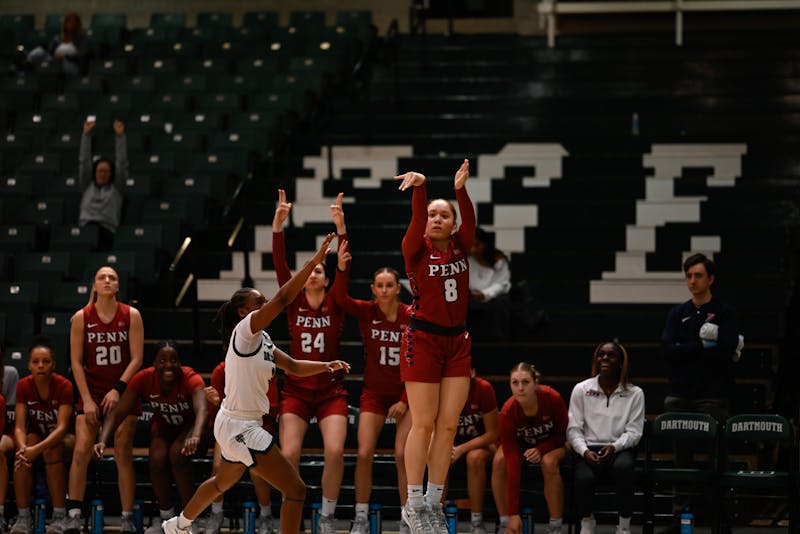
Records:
x=533, y=426
x=177, y=429
x=102, y=183
x=435, y=356
x=476, y=444
x=606, y=419
x=489, y=316
x=237, y=426
x=269, y=422
x=71, y=47
x=381, y=321
x=699, y=344
x=42, y=429
x=315, y=326
x=107, y=344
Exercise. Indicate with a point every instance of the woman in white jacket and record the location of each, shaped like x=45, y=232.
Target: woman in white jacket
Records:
x=606, y=417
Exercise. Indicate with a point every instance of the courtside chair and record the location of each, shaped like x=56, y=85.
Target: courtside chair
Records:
x=695, y=432
x=767, y=437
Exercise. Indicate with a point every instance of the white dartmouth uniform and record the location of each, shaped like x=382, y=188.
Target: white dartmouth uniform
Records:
x=249, y=366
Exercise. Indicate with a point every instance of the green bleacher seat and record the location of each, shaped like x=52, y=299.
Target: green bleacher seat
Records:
x=307, y=22
x=208, y=19
x=143, y=121
x=198, y=186
x=70, y=296
x=172, y=212
x=260, y=19
x=111, y=68
x=56, y=326
x=168, y=20
x=201, y=121
x=257, y=122
x=115, y=104
x=218, y=102
x=45, y=211
x=30, y=263
x=221, y=163
x=107, y=28
x=22, y=90
x=136, y=236
x=42, y=163
x=353, y=18
x=134, y=84
x=182, y=143
x=4, y=259
x=275, y=102
x=16, y=28
x=18, y=237
x=159, y=66
x=23, y=295
x=109, y=20
x=207, y=67
x=289, y=41
x=52, y=23
x=74, y=238
x=239, y=140
x=60, y=102
x=262, y=70
x=17, y=357
x=238, y=84
x=18, y=186
x=175, y=102
x=153, y=163
x=190, y=84
x=66, y=143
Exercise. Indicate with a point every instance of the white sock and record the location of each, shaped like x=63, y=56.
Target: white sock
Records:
x=328, y=506
x=625, y=522
x=183, y=522
x=57, y=512
x=504, y=520
x=434, y=494
x=216, y=507
x=362, y=510
x=476, y=517
x=266, y=510
x=75, y=512
x=555, y=523
x=415, y=497
x=24, y=512
x=166, y=514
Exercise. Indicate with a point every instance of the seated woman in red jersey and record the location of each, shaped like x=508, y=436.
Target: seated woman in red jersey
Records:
x=263, y=490
x=381, y=322
x=6, y=430
x=533, y=426
x=176, y=395
x=476, y=444
x=315, y=326
x=42, y=430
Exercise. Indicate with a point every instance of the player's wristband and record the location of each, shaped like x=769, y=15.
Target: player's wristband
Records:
x=120, y=387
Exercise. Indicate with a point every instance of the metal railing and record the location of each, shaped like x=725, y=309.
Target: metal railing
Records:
x=549, y=10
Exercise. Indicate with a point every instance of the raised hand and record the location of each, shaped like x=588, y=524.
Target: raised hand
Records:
x=337, y=214
x=344, y=255
x=281, y=211
x=410, y=179
x=88, y=126
x=323, y=250
x=119, y=127
x=461, y=175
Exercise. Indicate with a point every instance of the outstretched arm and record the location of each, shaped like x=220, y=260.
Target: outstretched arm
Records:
x=121, y=156
x=413, y=240
x=278, y=241
x=307, y=367
x=465, y=236
x=286, y=294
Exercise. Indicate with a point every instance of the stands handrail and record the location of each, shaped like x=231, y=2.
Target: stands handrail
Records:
x=550, y=9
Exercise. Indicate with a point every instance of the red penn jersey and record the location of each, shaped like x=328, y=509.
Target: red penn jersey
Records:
x=315, y=333
x=106, y=349
x=439, y=279
x=381, y=339
x=481, y=400
x=171, y=409
x=43, y=413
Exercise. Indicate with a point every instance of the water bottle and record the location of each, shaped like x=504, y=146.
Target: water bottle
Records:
x=97, y=517
x=249, y=518
x=39, y=515
x=451, y=515
x=375, y=524
x=316, y=510
x=635, y=124
x=687, y=521
x=527, y=519
x=137, y=516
